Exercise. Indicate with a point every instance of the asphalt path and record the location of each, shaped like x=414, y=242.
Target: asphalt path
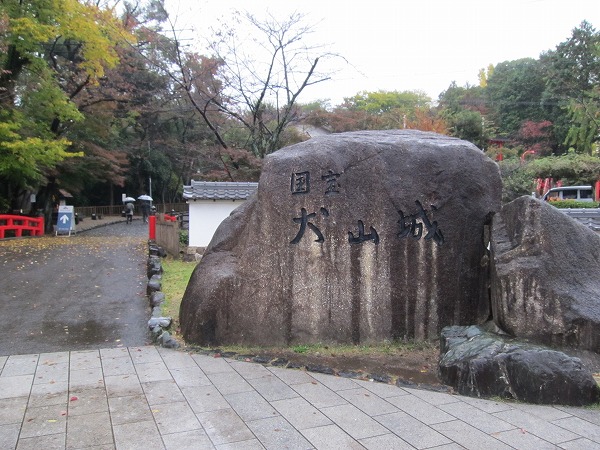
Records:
x=84, y=291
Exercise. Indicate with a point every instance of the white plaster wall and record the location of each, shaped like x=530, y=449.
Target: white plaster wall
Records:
x=206, y=216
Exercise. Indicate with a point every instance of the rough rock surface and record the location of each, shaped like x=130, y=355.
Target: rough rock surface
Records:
x=481, y=364
x=545, y=276
x=354, y=237
x=153, y=266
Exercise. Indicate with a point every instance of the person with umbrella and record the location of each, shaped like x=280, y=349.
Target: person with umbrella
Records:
x=129, y=212
x=146, y=199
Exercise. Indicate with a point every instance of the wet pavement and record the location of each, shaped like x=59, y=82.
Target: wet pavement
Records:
x=75, y=292
x=100, y=391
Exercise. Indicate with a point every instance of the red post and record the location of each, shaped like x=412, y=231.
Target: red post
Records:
x=152, y=228
x=598, y=191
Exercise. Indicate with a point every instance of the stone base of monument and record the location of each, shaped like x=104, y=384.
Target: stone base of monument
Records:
x=478, y=363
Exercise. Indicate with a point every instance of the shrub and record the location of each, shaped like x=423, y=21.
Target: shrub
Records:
x=573, y=204
x=184, y=237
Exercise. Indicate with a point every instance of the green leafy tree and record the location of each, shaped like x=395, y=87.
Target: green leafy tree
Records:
x=572, y=75
x=381, y=102
x=514, y=94
x=519, y=176
x=464, y=110
x=468, y=125
x=23, y=159
x=584, y=113
x=516, y=179
x=459, y=98
x=52, y=50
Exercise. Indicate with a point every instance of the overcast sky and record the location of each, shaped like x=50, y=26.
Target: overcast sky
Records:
x=412, y=44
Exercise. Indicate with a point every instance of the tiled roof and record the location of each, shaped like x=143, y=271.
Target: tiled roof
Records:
x=218, y=190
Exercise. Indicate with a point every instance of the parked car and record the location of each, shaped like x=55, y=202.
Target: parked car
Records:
x=577, y=193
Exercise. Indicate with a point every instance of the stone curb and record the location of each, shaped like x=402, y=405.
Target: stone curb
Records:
x=159, y=326
x=94, y=224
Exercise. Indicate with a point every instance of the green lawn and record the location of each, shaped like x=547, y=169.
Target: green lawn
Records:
x=175, y=277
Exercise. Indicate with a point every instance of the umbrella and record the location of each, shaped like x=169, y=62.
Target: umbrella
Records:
x=145, y=197
x=128, y=199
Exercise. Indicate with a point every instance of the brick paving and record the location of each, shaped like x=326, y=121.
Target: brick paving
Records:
x=155, y=398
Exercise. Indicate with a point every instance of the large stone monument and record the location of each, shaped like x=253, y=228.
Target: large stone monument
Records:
x=351, y=238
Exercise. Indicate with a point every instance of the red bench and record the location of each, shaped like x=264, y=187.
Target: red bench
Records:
x=34, y=226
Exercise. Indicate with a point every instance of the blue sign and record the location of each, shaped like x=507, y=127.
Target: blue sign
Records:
x=64, y=222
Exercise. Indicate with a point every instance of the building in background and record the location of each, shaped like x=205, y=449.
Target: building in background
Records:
x=210, y=203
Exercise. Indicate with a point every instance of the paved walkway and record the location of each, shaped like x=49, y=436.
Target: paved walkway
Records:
x=88, y=223
x=152, y=398
x=87, y=291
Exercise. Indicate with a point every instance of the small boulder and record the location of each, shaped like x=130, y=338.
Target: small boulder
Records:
x=164, y=322
x=154, y=284
x=154, y=266
x=156, y=331
x=481, y=364
x=157, y=298
x=167, y=341
x=156, y=250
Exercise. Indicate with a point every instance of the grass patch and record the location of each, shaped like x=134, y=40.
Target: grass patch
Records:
x=175, y=278
x=573, y=204
x=382, y=349
x=300, y=349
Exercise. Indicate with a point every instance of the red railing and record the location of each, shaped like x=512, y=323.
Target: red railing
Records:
x=19, y=224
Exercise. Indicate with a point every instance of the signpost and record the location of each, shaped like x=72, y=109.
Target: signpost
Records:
x=65, y=223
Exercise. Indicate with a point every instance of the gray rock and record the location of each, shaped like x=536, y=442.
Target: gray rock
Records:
x=156, y=250
x=157, y=298
x=170, y=342
x=355, y=237
x=154, y=285
x=165, y=335
x=545, y=276
x=481, y=364
x=157, y=311
x=164, y=322
x=154, y=266
x=167, y=341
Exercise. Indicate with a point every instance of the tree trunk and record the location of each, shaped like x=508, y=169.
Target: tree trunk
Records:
x=12, y=68
x=44, y=202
